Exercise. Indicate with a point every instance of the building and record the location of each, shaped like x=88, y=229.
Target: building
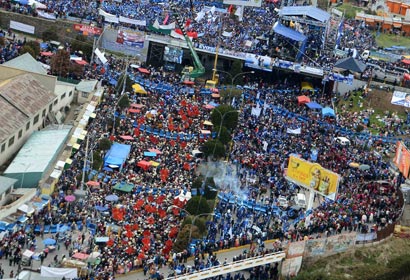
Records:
x=38, y=155
x=85, y=89
x=29, y=99
x=6, y=186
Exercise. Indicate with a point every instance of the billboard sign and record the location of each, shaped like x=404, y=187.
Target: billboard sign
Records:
x=131, y=38
x=312, y=176
x=402, y=159
x=401, y=98
x=87, y=29
x=245, y=3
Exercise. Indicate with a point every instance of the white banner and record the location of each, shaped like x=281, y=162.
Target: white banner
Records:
x=401, y=98
x=163, y=26
x=108, y=17
x=133, y=21
x=100, y=56
x=246, y=3
x=294, y=131
x=46, y=15
x=69, y=273
x=227, y=34
x=21, y=27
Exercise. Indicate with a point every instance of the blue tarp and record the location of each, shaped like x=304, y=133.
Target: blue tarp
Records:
x=313, y=105
x=288, y=32
x=117, y=154
x=309, y=11
x=150, y=154
x=328, y=112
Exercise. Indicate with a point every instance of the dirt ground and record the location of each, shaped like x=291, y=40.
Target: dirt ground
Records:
x=380, y=99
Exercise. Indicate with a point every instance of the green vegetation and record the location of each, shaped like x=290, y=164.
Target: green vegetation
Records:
x=349, y=9
x=214, y=148
x=197, y=205
x=104, y=144
x=49, y=35
x=128, y=84
x=97, y=160
x=208, y=193
x=124, y=102
x=388, y=40
x=226, y=116
x=81, y=43
x=28, y=49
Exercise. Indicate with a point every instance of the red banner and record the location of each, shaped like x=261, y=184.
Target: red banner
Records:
x=87, y=29
x=402, y=159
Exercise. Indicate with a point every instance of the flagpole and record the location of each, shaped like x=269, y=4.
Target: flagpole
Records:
x=217, y=50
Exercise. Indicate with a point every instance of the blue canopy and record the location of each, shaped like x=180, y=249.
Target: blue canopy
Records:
x=314, y=105
x=288, y=32
x=150, y=154
x=111, y=198
x=328, y=112
x=49, y=241
x=101, y=208
x=303, y=11
x=117, y=154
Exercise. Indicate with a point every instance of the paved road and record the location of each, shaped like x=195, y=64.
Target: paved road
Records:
x=227, y=254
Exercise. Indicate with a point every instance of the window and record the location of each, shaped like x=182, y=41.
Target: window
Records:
x=50, y=107
x=36, y=119
x=55, y=102
x=44, y=112
x=84, y=94
x=20, y=133
x=28, y=126
x=11, y=141
x=3, y=147
x=70, y=93
x=63, y=96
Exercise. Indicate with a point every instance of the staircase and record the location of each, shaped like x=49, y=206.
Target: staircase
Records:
x=332, y=32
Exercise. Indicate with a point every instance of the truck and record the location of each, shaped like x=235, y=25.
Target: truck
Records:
x=189, y=73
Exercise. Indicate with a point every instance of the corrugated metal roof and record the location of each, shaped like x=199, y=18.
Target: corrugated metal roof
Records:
x=26, y=94
x=86, y=86
x=38, y=151
x=27, y=63
x=6, y=183
x=309, y=11
x=11, y=119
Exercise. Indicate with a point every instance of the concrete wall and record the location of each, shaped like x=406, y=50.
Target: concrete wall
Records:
x=40, y=24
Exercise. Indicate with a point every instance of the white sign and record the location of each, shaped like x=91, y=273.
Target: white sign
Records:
x=21, y=27
x=401, y=98
x=246, y=3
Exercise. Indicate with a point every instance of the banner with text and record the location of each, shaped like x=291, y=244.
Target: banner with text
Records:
x=402, y=159
x=87, y=29
x=313, y=176
x=15, y=25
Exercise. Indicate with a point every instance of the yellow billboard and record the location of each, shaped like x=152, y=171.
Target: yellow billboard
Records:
x=312, y=175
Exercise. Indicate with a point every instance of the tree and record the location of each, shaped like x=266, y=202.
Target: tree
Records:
x=28, y=49
x=128, y=84
x=104, y=144
x=81, y=43
x=214, y=148
x=60, y=63
x=229, y=114
x=235, y=70
x=97, y=160
x=124, y=102
x=209, y=184
x=35, y=46
x=197, y=205
x=224, y=136
x=49, y=35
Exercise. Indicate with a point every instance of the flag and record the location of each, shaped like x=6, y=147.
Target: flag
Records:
x=166, y=19
x=227, y=33
x=212, y=10
x=187, y=23
x=230, y=9
x=156, y=25
x=200, y=16
x=177, y=33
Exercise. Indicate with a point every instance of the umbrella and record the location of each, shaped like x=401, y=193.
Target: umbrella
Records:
x=69, y=198
x=101, y=208
x=49, y=241
x=93, y=183
x=138, y=89
x=111, y=198
x=364, y=167
x=107, y=169
x=354, y=164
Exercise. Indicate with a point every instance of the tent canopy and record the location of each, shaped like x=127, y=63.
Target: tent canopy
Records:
x=138, y=89
x=143, y=70
x=313, y=105
x=117, y=154
x=303, y=99
x=307, y=86
x=328, y=112
x=124, y=187
x=350, y=64
x=288, y=32
x=303, y=11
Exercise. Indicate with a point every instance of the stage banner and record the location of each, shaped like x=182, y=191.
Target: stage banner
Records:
x=402, y=159
x=131, y=38
x=312, y=176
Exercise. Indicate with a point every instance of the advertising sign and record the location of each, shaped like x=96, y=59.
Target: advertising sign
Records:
x=402, y=159
x=401, y=99
x=131, y=38
x=87, y=29
x=312, y=175
x=246, y=3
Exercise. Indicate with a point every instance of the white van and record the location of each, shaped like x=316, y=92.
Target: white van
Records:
x=300, y=200
x=342, y=141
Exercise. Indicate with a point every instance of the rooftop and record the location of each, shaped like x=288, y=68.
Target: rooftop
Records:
x=6, y=183
x=86, y=86
x=27, y=63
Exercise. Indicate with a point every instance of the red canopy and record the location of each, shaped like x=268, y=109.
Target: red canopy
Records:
x=81, y=62
x=158, y=152
x=93, y=183
x=406, y=61
x=143, y=70
x=46, y=53
x=303, y=99
x=135, y=105
x=126, y=137
x=80, y=256
x=187, y=82
x=134, y=111
x=144, y=164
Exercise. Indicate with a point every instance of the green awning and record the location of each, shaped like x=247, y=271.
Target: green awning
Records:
x=124, y=187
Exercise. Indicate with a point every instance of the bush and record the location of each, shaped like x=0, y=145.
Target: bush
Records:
x=35, y=46
x=104, y=144
x=197, y=205
x=28, y=49
x=229, y=114
x=224, y=136
x=97, y=160
x=214, y=148
x=49, y=35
